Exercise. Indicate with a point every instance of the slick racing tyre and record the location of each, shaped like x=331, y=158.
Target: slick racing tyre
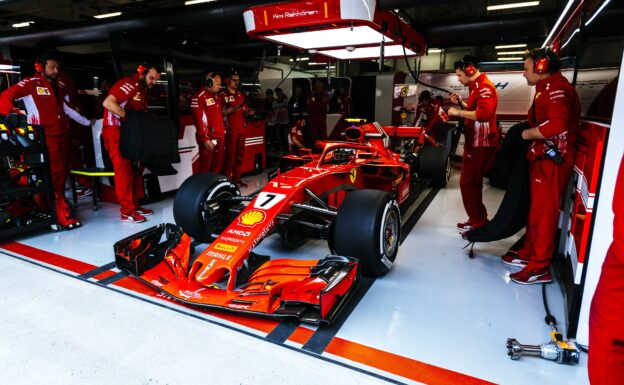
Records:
x=200, y=205
x=435, y=165
x=368, y=227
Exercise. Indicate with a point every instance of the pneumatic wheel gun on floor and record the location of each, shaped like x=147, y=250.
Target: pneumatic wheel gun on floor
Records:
x=558, y=349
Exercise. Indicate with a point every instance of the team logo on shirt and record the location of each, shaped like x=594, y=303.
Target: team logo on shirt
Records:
x=229, y=99
x=210, y=101
x=43, y=91
x=538, y=95
x=137, y=97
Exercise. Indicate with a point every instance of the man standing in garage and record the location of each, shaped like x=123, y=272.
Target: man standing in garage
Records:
x=554, y=117
x=481, y=137
x=318, y=103
x=43, y=100
x=208, y=118
x=129, y=93
x=235, y=110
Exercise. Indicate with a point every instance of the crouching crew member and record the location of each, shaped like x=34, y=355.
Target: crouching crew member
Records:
x=481, y=137
x=235, y=110
x=208, y=119
x=554, y=117
x=129, y=93
x=43, y=100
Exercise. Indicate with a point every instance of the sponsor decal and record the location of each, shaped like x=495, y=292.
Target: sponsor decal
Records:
x=216, y=255
x=189, y=294
x=502, y=85
x=267, y=229
x=229, y=99
x=252, y=218
x=267, y=200
x=232, y=239
x=240, y=233
x=225, y=247
x=210, y=102
x=156, y=283
x=238, y=306
x=538, y=95
x=43, y=91
x=137, y=97
x=353, y=175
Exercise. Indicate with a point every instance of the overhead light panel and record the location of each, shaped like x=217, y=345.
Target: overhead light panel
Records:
x=604, y=4
x=510, y=46
x=509, y=59
x=107, y=15
x=300, y=59
x=561, y=17
x=512, y=5
x=326, y=38
x=191, y=2
x=23, y=24
x=434, y=50
x=367, y=52
x=510, y=53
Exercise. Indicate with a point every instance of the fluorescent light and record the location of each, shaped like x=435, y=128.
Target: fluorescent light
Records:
x=191, y=2
x=434, y=50
x=512, y=5
x=510, y=53
x=338, y=37
x=570, y=38
x=22, y=25
x=552, y=31
x=367, y=52
x=313, y=63
x=300, y=59
x=597, y=12
x=510, y=46
x=509, y=58
x=105, y=15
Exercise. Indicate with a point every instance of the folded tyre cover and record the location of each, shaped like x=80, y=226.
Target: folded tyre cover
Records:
x=512, y=214
x=512, y=147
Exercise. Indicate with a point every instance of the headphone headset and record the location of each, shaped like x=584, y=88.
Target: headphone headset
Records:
x=142, y=69
x=468, y=68
x=541, y=63
x=210, y=79
x=38, y=66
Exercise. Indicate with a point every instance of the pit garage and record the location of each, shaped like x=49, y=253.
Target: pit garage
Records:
x=326, y=247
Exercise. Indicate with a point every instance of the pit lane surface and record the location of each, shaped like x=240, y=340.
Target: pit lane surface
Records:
x=436, y=318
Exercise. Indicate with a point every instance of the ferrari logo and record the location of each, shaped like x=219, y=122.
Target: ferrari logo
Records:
x=251, y=218
x=210, y=102
x=43, y=91
x=353, y=175
x=225, y=247
x=137, y=97
x=538, y=95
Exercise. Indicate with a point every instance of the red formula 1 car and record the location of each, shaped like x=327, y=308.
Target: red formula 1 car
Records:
x=352, y=194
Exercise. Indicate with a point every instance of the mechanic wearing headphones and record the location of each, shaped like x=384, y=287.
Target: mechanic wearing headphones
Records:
x=554, y=117
x=235, y=111
x=481, y=137
x=208, y=119
x=43, y=99
x=129, y=93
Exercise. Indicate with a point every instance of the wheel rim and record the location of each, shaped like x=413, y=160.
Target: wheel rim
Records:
x=390, y=234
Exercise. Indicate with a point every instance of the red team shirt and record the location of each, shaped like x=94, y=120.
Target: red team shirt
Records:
x=482, y=99
x=130, y=95
x=42, y=104
x=206, y=109
x=236, y=119
x=294, y=133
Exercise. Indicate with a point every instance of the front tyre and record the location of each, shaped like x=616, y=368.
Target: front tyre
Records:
x=201, y=207
x=368, y=227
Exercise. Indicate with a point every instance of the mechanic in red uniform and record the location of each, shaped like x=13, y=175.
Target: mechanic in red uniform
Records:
x=235, y=110
x=606, y=316
x=129, y=93
x=208, y=118
x=481, y=137
x=554, y=117
x=428, y=113
x=317, y=103
x=295, y=135
x=43, y=100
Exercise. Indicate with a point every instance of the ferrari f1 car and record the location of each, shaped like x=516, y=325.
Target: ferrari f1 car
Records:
x=352, y=194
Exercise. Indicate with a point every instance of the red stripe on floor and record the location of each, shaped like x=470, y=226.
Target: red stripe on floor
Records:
x=352, y=351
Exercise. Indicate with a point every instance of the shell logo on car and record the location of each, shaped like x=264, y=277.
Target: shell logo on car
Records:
x=225, y=247
x=251, y=218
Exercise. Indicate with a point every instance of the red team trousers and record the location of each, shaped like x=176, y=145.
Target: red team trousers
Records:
x=210, y=160
x=128, y=183
x=476, y=162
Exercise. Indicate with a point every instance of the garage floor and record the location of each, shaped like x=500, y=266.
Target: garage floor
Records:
x=69, y=317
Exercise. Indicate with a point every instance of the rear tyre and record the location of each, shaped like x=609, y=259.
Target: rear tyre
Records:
x=368, y=227
x=199, y=206
x=435, y=165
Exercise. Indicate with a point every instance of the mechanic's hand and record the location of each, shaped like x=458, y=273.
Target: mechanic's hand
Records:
x=453, y=111
x=456, y=99
x=209, y=145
